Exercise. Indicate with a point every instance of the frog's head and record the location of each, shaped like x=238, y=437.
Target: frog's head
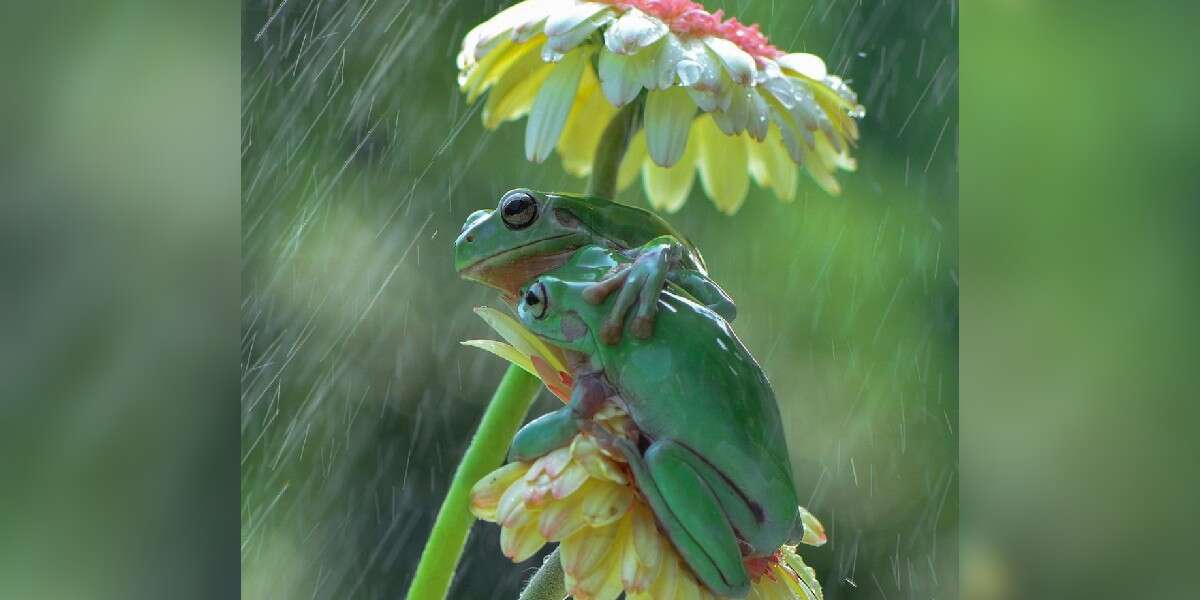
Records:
x=555, y=311
x=528, y=233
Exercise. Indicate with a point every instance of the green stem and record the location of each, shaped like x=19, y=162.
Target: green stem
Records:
x=611, y=149
x=548, y=582
x=504, y=415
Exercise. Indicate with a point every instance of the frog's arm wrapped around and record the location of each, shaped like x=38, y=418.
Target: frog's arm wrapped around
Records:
x=531, y=233
x=711, y=458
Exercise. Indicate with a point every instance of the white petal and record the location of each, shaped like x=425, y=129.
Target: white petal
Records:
x=808, y=65
x=759, y=118
x=738, y=62
x=564, y=20
x=480, y=40
x=552, y=106
x=558, y=45
x=634, y=31
x=668, y=118
x=670, y=53
x=619, y=77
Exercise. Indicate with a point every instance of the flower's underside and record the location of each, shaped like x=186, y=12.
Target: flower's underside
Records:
x=583, y=497
x=719, y=98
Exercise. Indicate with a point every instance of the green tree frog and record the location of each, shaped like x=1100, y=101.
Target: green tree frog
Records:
x=710, y=457
x=530, y=233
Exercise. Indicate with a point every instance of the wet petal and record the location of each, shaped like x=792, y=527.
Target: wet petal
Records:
x=668, y=189
x=633, y=31
x=484, y=37
x=722, y=162
x=738, y=62
x=585, y=125
x=759, y=118
x=809, y=65
x=566, y=30
x=808, y=577
x=620, y=77
x=668, y=119
x=552, y=106
x=565, y=19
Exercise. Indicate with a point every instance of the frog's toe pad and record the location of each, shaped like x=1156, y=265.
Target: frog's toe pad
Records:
x=642, y=327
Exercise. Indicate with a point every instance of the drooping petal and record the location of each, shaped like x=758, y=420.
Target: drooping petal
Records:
x=484, y=37
x=771, y=167
x=809, y=65
x=585, y=125
x=634, y=31
x=668, y=189
x=723, y=168
x=807, y=576
x=486, y=493
x=738, y=62
x=561, y=520
x=506, y=352
x=552, y=106
x=584, y=551
x=520, y=542
x=631, y=163
x=668, y=118
x=513, y=94
x=619, y=77
x=567, y=29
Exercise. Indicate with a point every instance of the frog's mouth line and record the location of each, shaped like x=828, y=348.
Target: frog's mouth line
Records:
x=485, y=262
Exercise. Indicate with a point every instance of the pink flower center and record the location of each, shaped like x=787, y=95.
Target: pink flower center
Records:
x=692, y=19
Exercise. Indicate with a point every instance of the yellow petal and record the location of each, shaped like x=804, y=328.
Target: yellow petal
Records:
x=506, y=352
x=521, y=338
x=519, y=543
x=511, y=501
x=493, y=66
x=646, y=538
x=808, y=577
x=603, y=582
x=771, y=167
x=667, y=189
x=587, y=453
x=561, y=520
x=668, y=118
x=486, y=494
x=631, y=163
x=551, y=465
x=513, y=94
x=586, y=123
x=553, y=105
x=605, y=503
x=584, y=551
x=814, y=531
x=567, y=483
x=723, y=166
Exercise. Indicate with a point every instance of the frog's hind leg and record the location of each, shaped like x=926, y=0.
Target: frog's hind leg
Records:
x=690, y=514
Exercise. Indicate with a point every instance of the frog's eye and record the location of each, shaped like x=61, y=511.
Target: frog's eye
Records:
x=518, y=209
x=536, y=300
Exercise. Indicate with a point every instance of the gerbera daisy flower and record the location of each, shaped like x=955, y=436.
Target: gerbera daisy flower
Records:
x=583, y=497
x=718, y=97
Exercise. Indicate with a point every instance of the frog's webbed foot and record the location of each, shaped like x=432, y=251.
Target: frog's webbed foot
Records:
x=690, y=514
x=640, y=285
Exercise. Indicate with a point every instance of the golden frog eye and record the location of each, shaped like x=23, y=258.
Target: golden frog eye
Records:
x=518, y=209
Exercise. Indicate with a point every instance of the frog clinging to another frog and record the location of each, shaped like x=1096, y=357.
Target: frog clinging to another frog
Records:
x=629, y=302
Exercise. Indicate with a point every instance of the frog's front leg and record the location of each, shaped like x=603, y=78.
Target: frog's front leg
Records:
x=555, y=429
x=690, y=513
x=640, y=283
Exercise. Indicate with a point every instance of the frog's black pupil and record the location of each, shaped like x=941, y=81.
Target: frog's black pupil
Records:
x=519, y=210
x=531, y=298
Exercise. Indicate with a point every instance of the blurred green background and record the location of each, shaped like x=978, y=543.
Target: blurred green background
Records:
x=360, y=162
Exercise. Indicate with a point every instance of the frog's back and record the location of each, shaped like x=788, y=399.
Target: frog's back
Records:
x=626, y=226
x=696, y=383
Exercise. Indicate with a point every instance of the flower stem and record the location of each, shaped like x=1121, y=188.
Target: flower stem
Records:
x=548, y=582
x=503, y=416
x=611, y=149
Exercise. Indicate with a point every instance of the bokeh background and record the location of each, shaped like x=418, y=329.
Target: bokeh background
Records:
x=361, y=161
